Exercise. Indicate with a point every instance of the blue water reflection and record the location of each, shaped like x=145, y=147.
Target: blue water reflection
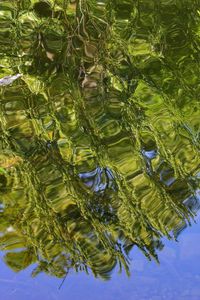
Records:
x=177, y=277
x=99, y=179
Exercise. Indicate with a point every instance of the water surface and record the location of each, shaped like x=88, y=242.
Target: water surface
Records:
x=99, y=142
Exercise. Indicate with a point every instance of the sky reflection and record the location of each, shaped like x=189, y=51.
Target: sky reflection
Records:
x=177, y=277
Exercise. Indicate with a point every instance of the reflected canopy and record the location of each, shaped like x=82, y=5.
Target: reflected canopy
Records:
x=99, y=130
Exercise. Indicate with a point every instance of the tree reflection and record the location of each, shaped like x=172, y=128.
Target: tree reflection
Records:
x=99, y=131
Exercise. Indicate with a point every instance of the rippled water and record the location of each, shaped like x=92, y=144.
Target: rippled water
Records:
x=99, y=131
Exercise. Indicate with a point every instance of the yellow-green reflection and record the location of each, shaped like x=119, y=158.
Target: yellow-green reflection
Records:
x=99, y=130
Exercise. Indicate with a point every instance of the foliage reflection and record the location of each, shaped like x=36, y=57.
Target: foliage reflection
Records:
x=99, y=130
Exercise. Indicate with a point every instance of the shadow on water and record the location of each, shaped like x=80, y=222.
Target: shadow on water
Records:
x=99, y=131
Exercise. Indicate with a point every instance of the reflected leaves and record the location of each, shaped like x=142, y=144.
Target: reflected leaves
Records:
x=99, y=136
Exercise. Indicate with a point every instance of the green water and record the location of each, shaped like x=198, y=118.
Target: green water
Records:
x=99, y=130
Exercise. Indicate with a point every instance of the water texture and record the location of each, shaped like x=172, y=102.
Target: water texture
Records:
x=99, y=131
